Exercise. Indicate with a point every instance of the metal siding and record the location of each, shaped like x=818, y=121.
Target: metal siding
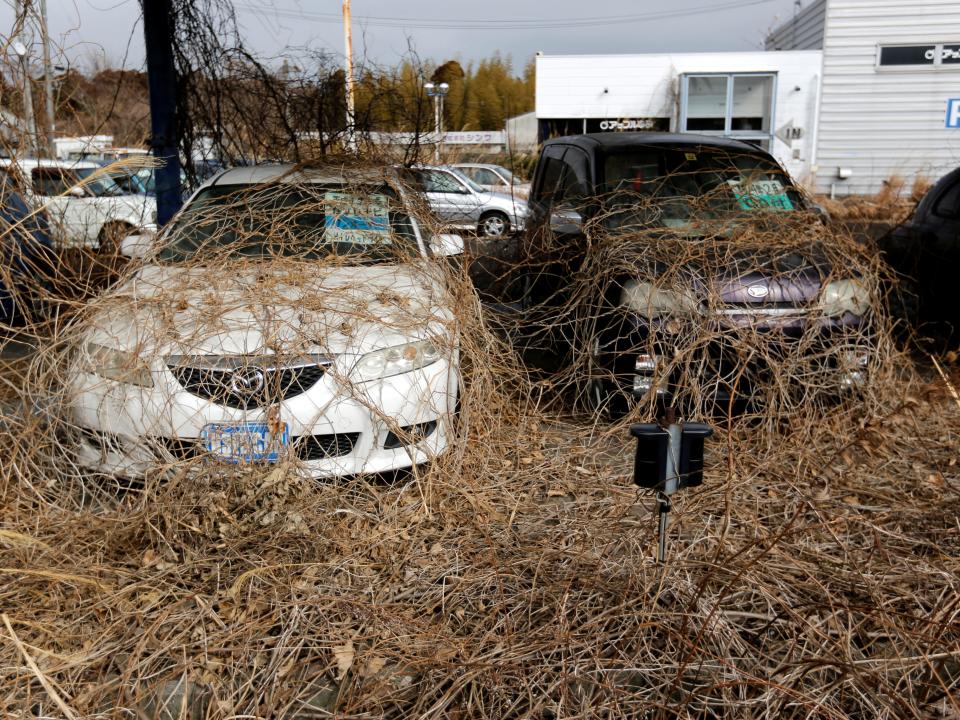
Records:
x=804, y=31
x=882, y=123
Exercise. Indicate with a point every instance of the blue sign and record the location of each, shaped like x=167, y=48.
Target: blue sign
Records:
x=953, y=113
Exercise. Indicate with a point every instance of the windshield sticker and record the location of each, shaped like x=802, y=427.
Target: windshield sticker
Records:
x=690, y=156
x=349, y=218
x=761, y=194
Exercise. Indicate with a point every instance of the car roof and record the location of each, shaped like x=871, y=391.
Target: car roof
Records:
x=615, y=140
x=291, y=173
x=30, y=163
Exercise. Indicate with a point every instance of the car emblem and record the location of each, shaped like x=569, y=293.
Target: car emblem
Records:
x=247, y=382
x=758, y=291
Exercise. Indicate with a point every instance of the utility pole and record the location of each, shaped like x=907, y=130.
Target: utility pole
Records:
x=158, y=29
x=348, y=69
x=47, y=78
x=23, y=53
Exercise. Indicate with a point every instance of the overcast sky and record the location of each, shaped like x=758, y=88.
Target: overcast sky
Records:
x=384, y=30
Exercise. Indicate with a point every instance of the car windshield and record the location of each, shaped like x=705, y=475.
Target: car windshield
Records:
x=97, y=182
x=284, y=220
x=676, y=187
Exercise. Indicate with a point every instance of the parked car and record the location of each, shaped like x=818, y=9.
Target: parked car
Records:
x=495, y=178
x=27, y=256
x=280, y=314
x=676, y=186
x=140, y=181
x=461, y=204
x=925, y=252
x=85, y=206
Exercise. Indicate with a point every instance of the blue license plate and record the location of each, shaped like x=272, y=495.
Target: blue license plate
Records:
x=245, y=442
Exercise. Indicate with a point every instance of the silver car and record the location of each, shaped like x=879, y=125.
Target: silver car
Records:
x=494, y=177
x=462, y=204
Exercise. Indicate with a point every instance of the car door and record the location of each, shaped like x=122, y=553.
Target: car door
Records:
x=70, y=208
x=452, y=201
x=939, y=255
x=555, y=242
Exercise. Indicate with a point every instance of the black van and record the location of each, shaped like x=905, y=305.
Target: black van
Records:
x=633, y=188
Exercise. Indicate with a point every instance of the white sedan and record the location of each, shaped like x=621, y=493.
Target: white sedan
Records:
x=282, y=316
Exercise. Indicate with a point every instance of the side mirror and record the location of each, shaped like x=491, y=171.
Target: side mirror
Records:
x=446, y=244
x=77, y=191
x=821, y=212
x=136, y=246
x=564, y=219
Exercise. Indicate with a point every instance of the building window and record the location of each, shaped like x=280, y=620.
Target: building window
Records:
x=929, y=55
x=736, y=105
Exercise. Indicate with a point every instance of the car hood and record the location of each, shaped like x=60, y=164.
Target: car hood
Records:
x=727, y=268
x=304, y=308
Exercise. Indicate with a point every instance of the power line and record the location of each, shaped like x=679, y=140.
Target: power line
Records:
x=491, y=24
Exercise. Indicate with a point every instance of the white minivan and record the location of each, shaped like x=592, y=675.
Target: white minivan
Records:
x=85, y=206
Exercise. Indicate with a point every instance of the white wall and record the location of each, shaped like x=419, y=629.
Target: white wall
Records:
x=632, y=86
x=880, y=122
x=522, y=132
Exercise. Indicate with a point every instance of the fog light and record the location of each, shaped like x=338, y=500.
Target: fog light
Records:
x=645, y=380
x=853, y=369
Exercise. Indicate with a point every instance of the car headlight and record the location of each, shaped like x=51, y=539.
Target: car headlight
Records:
x=395, y=360
x=650, y=301
x=115, y=365
x=844, y=296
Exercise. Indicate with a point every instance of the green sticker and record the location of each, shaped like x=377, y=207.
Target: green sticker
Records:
x=761, y=194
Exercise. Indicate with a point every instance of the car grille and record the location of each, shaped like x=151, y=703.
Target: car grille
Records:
x=245, y=385
x=304, y=447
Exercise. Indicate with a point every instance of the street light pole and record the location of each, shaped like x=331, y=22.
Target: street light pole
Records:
x=437, y=92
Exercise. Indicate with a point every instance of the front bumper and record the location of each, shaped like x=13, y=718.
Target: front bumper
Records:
x=335, y=427
x=740, y=364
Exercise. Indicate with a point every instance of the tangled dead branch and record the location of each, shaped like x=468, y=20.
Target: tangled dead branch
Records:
x=815, y=574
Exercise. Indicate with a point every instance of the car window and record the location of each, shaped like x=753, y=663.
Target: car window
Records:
x=575, y=182
x=550, y=180
x=470, y=172
x=441, y=182
x=948, y=206
x=507, y=176
x=487, y=177
x=97, y=182
x=50, y=182
x=283, y=220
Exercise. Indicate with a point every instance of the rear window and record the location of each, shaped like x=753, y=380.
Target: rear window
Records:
x=674, y=187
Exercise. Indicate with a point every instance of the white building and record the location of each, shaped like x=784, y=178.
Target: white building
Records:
x=767, y=98
x=890, y=71
x=857, y=92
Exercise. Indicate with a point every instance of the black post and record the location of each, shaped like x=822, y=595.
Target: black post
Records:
x=161, y=77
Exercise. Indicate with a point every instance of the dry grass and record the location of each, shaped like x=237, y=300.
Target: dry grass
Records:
x=814, y=575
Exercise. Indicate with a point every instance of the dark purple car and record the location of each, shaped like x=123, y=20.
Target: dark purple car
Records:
x=635, y=187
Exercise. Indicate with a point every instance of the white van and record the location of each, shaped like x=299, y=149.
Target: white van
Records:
x=85, y=206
